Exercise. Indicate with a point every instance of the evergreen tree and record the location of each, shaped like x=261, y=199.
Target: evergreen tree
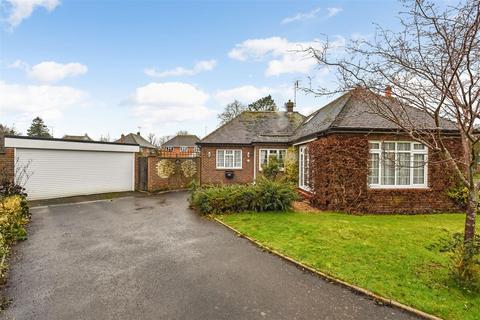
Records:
x=38, y=129
x=263, y=104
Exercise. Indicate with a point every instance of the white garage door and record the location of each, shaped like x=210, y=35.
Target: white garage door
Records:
x=63, y=173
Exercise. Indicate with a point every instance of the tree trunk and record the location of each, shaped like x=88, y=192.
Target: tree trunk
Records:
x=471, y=213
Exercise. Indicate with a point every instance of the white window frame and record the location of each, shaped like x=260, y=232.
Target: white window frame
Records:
x=412, y=152
x=224, y=154
x=303, y=163
x=183, y=149
x=169, y=149
x=269, y=150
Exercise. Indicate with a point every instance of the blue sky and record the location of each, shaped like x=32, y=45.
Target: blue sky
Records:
x=107, y=67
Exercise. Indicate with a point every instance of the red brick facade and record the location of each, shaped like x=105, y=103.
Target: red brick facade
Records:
x=7, y=163
x=176, y=181
x=353, y=193
x=211, y=175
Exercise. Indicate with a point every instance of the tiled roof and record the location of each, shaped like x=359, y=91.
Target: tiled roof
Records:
x=350, y=111
x=136, y=139
x=186, y=140
x=256, y=127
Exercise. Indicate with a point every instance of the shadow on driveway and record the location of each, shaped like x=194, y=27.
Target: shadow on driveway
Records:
x=153, y=258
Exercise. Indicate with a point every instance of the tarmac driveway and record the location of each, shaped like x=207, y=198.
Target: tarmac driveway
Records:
x=153, y=258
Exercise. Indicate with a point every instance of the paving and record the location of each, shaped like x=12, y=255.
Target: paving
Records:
x=153, y=258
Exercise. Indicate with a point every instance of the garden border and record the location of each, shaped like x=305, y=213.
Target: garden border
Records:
x=365, y=292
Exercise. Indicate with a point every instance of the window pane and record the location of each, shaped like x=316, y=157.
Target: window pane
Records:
x=373, y=177
x=374, y=145
x=281, y=157
x=263, y=157
x=388, y=168
x=228, y=161
x=418, y=146
x=403, y=168
x=418, y=169
x=389, y=146
x=220, y=156
x=238, y=159
x=403, y=146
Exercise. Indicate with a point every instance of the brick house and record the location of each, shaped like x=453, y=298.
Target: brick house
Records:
x=146, y=148
x=182, y=145
x=349, y=158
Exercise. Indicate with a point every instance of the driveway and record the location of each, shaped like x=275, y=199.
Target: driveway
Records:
x=153, y=258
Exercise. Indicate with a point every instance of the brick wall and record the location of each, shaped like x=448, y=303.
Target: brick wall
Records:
x=176, y=181
x=211, y=175
x=6, y=163
x=353, y=194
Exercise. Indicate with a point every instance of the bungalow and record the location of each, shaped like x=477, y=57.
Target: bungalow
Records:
x=349, y=158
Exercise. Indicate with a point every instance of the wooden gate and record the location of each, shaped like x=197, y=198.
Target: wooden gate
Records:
x=142, y=168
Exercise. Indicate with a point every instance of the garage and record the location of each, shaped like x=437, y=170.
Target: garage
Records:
x=59, y=168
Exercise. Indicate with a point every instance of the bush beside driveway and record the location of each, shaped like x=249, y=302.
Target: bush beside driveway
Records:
x=397, y=257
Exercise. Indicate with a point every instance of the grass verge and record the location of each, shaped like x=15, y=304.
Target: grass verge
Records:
x=396, y=257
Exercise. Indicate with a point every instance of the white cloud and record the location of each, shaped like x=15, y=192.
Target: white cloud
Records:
x=334, y=11
x=205, y=65
x=42, y=100
x=245, y=94
x=22, y=9
x=302, y=16
x=50, y=71
x=166, y=102
x=284, y=56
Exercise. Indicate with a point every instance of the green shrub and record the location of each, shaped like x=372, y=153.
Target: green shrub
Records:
x=459, y=194
x=465, y=267
x=271, y=169
x=266, y=195
x=291, y=166
x=14, y=216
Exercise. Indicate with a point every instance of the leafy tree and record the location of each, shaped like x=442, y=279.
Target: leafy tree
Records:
x=231, y=111
x=38, y=129
x=6, y=130
x=263, y=104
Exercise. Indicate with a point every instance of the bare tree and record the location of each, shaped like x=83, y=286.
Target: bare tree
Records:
x=433, y=65
x=105, y=138
x=232, y=110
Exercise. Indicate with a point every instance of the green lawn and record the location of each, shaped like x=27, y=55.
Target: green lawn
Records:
x=389, y=255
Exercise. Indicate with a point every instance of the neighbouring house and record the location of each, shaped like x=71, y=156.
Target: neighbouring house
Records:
x=349, y=158
x=181, y=146
x=146, y=148
x=85, y=137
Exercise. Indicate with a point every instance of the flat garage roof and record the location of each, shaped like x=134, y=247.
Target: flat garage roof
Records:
x=60, y=144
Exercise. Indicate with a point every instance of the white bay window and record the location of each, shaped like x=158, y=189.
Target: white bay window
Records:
x=398, y=165
x=229, y=159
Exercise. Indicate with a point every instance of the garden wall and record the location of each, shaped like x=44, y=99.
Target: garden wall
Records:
x=171, y=173
x=339, y=172
x=6, y=163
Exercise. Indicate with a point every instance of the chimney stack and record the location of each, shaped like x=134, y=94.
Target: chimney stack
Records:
x=388, y=91
x=122, y=138
x=289, y=106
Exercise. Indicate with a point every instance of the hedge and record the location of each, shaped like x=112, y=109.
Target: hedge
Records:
x=14, y=215
x=266, y=195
